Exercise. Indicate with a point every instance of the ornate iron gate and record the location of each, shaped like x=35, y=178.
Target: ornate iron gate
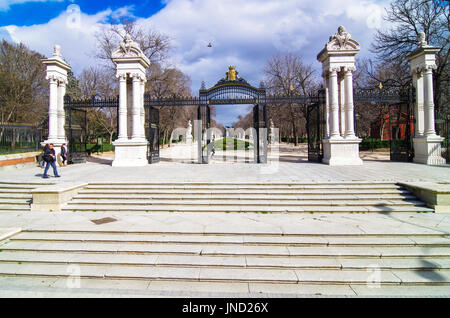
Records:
x=315, y=128
x=153, y=135
x=204, y=136
x=77, y=136
x=401, y=122
x=260, y=125
x=400, y=119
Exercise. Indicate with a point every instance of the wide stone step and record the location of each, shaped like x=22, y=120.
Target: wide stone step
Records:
x=16, y=191
x=225, y=261
x=237, y=196
x=335, y=276
x=274, y=192
x=15, y=201
x=244, y=202
x=297, y=240
x=24, y=187
x=244, y=209
x=27, y=196
x=227, y=250
x=15, y=207
x=244, y=184
x=238, y=187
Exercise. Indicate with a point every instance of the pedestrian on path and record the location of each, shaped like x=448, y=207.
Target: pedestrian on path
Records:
x=50, y=158
x=63, y=155
x=42, y=156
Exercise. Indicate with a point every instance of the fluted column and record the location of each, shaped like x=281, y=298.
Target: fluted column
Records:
x=142, y=109
x=342, y=127
x=327, y=107
x=349, y=106
x=136, y=109
x=428, y=102
x=419, y=107
x=334, y=105
x=60, y=112
x=123, y=134
x=53, y=110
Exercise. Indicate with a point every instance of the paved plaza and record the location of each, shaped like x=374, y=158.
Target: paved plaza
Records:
x=216, y=254
x=292, y=166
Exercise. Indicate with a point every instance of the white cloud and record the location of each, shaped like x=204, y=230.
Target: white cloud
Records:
x=243, y=33
x=6, y=4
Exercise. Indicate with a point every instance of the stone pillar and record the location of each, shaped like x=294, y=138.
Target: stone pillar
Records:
x=342, y=114
x=428, y=102
x=142, y=109
x=349, y=107
x=61, y=112
x=427, y=145
x=419, y=109
x=136, y=109
x=334, y=105
x=131, y=147
x=327, y=107
x=53, y=110
x=123, y=116
x=340, y=146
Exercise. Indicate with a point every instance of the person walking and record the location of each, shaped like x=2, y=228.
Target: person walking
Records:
x=42, y=156
x=50, y=158
x=63, y=155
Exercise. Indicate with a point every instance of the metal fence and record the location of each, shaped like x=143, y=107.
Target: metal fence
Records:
x=443, y=130
x=16, y=138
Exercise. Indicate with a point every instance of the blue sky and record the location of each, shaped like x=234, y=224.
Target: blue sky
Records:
x=243, y=33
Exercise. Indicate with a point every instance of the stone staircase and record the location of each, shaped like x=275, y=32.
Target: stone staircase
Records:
x=16, y=196
x=354, y=197
x=262, y=262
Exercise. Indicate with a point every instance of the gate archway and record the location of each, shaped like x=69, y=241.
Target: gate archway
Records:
x=234, y=90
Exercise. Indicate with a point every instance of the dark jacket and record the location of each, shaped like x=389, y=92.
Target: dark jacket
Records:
x=47, y=157
x=63, y=151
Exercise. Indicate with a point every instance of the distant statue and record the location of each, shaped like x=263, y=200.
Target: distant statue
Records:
x=421, y=39
x=189, y=133
x=232, y=73
x=128, y=44
x=57, y=50
x=342, y=37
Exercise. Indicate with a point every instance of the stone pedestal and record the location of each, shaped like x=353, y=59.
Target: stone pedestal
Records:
x=130, y=153
x=427, y=150
x=341, y=152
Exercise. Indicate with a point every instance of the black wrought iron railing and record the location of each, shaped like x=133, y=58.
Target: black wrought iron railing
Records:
x=16, y=138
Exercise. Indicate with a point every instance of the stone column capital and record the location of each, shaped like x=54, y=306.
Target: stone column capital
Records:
x=137, y=77
x=121, y=76
x=52, y=79
x=333, y=70
x=348, y=70
x=429, y=68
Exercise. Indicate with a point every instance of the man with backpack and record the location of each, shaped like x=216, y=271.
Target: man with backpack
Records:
x=50, y=158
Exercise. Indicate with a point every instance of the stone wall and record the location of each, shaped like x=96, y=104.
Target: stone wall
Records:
x=18, y=160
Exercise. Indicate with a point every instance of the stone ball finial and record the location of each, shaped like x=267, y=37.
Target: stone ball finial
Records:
x=57, y=50
x=421, y=39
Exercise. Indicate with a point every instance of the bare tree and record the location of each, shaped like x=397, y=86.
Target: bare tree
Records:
x=23, y=87
x=408, y=19
x=97, y=82
x=288, y=75
x=155, y=45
